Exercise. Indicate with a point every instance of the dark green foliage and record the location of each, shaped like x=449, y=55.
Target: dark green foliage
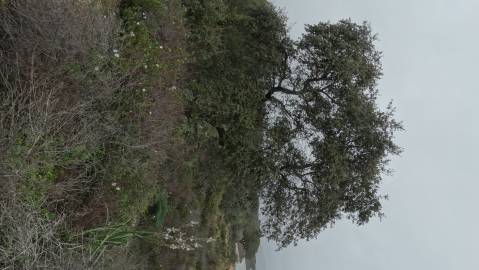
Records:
x=297, y=121
x=232, y=61
x=327, y=140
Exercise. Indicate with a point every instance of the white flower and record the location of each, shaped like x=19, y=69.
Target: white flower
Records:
x=150, y=113
x=117, y=188
x=97, y=68
x=117, y=55
x=115, y=50
x=145, y=66
x=157, y=65
x=137, y=23
x=172, y=229
x=161, y=47
x=209, y=240
x=113, y=184
x=143, y=90
x=132, y=34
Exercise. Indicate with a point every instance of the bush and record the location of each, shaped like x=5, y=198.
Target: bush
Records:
x=29, y=240
x=50, y=126
x=86, y=101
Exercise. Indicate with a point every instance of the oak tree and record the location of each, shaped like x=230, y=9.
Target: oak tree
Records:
x=327, y=141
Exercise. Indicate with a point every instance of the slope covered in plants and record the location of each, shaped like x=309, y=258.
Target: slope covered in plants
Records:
x=143, y=134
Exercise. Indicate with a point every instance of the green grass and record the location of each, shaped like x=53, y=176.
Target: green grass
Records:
x=102, y=238
x=161, y=205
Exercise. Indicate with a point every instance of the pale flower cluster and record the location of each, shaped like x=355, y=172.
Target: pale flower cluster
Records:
x=115, y=186
x=176, y=239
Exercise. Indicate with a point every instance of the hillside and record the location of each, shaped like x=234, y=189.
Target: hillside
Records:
x=100, y=166
x=143, y=134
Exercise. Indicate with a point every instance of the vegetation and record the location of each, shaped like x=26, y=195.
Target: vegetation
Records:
x=143, y=134
x=327, y=142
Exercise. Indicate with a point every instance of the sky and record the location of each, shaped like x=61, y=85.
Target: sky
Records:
x=430, y=60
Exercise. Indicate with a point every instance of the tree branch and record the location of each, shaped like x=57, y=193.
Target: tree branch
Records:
x=279, y=89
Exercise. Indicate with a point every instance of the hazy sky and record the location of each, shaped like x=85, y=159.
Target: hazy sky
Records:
x=431, y=58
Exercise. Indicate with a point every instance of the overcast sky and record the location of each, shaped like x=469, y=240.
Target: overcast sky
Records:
x=431, y=58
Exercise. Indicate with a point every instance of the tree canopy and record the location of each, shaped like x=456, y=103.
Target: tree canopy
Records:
x=327, y=142
x=297, y=121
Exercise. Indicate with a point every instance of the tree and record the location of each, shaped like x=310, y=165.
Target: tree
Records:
x=296, y=120
x=327, y=142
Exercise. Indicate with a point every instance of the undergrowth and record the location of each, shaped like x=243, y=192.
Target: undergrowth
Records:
x=88, y=114
x=112, y=121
